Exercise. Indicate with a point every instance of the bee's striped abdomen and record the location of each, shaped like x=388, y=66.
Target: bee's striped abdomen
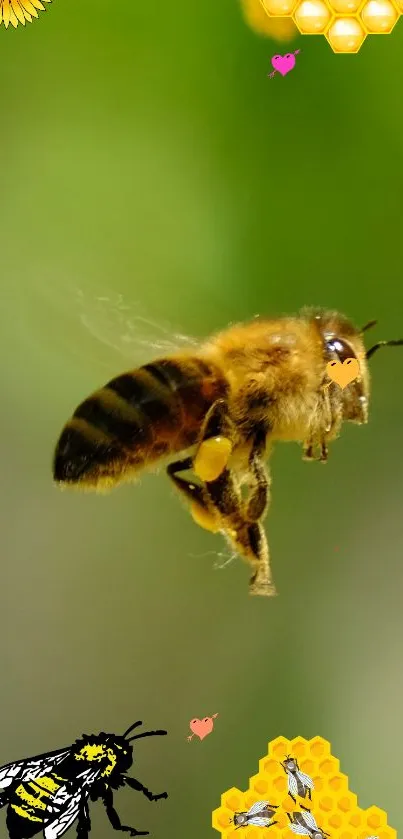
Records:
x=30, y=800
x=135, y=419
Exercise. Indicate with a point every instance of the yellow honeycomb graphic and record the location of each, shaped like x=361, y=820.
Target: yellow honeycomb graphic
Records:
x=345, y=23
x=333, y=806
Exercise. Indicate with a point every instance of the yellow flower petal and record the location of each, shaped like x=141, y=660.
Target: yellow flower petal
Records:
x=13, y=19
x=38, y=5
x=28, y=7
x=18, y=11
x=6, y=12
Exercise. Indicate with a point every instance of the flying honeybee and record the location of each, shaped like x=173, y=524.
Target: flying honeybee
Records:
x=215, y=410
x=49, y=792
x=259, y=815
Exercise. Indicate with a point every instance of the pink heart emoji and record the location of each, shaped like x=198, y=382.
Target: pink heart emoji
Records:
x=202, y=727
x=283, y=63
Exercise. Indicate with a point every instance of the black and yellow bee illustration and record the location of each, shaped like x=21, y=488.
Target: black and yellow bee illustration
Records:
x=51, y=791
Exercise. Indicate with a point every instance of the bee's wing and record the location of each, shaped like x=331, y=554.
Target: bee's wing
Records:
x=64, y=808
x=306, y=780
x=64, y=818
x=292, y=784
x=259, y=821
x=32, y=767
x=107, y=334
x=120, y=326
x=301, y=831
x=257, y=807
x=309, y=820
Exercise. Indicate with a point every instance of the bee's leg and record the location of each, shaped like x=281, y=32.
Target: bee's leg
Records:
x=138, y=786
x=199, y=507
x=324, y=451
x=215, y=443
x=259, y=484
x=288, y=814
x=271, y=824
x=113, y=816
x=84, y=821
x=307, y=810
x=291, y=796
x=309, y=794
x=248, y=538
x=308, y=451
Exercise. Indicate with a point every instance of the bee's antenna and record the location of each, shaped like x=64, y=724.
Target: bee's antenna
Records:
x=380, y=344
x=368, y=325
x=135, y=725
x=145, y=734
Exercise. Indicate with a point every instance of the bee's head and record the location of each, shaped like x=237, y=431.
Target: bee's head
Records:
x=123, y=751
x=290, y=763
x=239, y=819
x=341, y=341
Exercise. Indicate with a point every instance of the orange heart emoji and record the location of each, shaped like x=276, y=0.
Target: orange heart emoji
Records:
x=343, y=372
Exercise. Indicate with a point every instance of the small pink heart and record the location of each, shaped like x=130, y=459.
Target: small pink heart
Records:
x=283, y=63
x=202, y=727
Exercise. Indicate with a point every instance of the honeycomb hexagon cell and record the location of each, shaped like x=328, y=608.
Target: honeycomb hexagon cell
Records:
x=318, y=748
x=328, y=767
x=279, y=748
x=298, y=748
x=325, y=803
x=345, y=35
x=338, y=783
x=279, y=8
x=375, y=818
x=355, y=819
x=260, y=785
x=345, y=7
x=312, y=17
x=268, y=766
x=333, y=806
x=347, y=803
x=379, y=16
x=232, y=799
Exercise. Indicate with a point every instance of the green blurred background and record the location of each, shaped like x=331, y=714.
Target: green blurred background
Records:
x=150, y=167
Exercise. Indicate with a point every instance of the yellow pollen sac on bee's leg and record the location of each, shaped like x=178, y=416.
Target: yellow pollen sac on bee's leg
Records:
x=204, y=518
x=212, y=458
